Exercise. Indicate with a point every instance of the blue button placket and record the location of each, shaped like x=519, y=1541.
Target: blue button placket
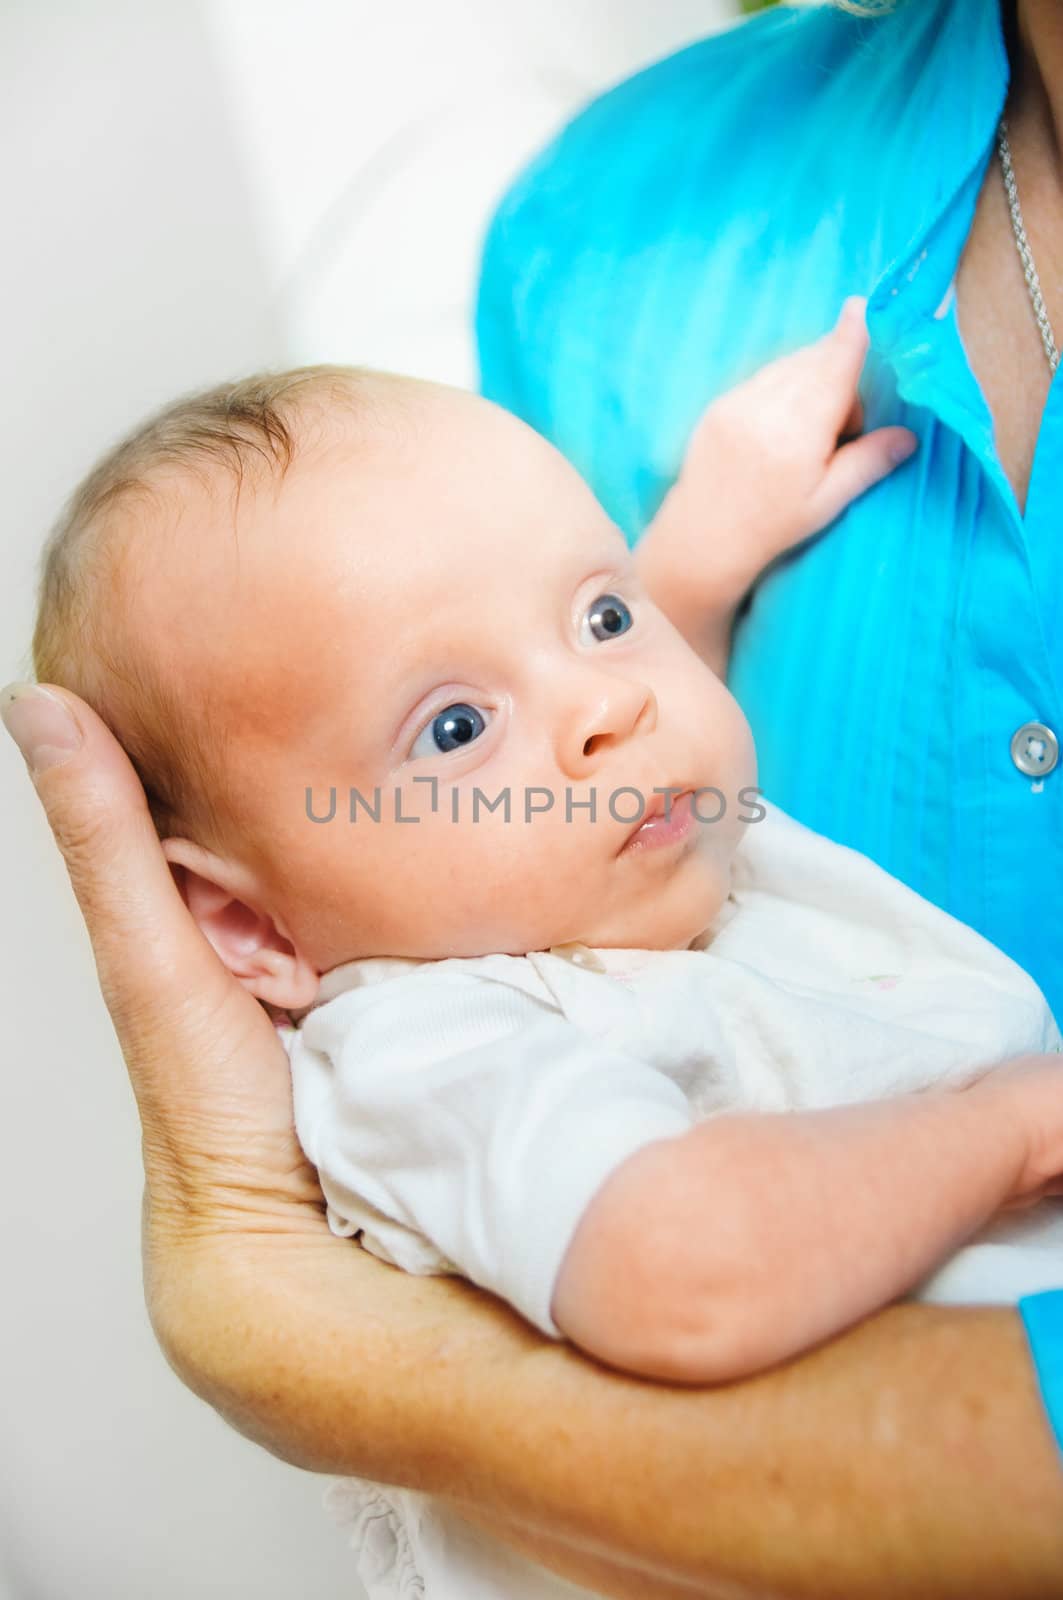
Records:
x=1012, y=601
x=914, y=330
x=1043, y=527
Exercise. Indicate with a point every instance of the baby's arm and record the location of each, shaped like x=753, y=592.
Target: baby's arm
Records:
x=749, y=1238
x=763, y=471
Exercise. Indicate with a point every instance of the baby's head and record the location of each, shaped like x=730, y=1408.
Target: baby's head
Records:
x=309, y=591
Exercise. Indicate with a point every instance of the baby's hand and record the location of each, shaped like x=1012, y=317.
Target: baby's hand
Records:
x=768, y=450
x=1028, y=1095
x=763, y=471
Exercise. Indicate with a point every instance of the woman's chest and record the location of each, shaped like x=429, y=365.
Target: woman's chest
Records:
x=998, y=324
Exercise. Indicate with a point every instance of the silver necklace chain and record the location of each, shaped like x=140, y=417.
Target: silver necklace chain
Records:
x=1022, y=244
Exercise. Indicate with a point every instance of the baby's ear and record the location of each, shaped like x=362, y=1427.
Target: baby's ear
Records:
x=223, y=902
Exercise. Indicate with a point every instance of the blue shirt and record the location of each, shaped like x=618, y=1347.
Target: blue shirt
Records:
x=711, y=213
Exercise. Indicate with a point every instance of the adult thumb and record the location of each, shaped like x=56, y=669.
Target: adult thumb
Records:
x=41, y=724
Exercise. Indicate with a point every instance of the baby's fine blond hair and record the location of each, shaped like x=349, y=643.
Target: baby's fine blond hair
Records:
x=233, y=430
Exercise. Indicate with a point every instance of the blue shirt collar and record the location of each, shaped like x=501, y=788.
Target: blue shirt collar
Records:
x=948, y=152
x=910, y=315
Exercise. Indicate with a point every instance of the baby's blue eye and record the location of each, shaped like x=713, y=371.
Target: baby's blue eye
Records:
x=607, y=616
x=457, y=725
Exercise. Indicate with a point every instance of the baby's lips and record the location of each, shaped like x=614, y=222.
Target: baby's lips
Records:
x=655, y=811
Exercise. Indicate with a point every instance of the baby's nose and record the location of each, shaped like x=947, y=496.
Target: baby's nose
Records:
x=615, y=711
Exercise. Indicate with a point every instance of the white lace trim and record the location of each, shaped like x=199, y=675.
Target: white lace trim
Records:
x=386, y=1563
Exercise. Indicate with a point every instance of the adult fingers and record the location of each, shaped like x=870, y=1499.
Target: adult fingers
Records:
x=856, y=467
x=182, y=1020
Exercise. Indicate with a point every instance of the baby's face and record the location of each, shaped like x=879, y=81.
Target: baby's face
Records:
x=447, y=610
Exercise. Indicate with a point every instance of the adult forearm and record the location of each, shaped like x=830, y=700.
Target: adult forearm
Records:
x=910, y=1457
x=880, y=1467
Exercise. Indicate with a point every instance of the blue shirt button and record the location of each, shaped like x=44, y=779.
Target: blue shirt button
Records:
x=1034, y=749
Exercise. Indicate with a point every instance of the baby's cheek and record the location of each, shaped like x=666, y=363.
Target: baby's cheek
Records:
x=530, y=879
x=734, y=752
x=478, y=881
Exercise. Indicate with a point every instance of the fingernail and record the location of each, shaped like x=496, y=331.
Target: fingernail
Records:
x=902, y=450
x=40, y=724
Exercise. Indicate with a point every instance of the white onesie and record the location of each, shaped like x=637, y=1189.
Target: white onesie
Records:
x=462, y=1113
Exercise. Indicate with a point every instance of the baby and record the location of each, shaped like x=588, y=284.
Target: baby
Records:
x=451, y=781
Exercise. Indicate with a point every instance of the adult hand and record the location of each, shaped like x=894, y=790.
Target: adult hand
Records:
x=243, y=1278
x=221, y=1160
x=207, y=1068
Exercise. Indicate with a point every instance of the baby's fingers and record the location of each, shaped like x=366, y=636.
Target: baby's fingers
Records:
x=854, y=422
x=856, y=467
x=832, y=366
x=847, y=343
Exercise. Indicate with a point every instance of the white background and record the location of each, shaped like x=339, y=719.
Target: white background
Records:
x=189, y=192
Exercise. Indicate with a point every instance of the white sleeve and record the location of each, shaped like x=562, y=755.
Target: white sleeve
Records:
x=461, y=1124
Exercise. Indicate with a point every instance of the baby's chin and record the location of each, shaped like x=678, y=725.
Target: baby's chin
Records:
x=666, y=928
x=661, y=926
x=647, y=911
x=673, y=915
x=672, y=935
